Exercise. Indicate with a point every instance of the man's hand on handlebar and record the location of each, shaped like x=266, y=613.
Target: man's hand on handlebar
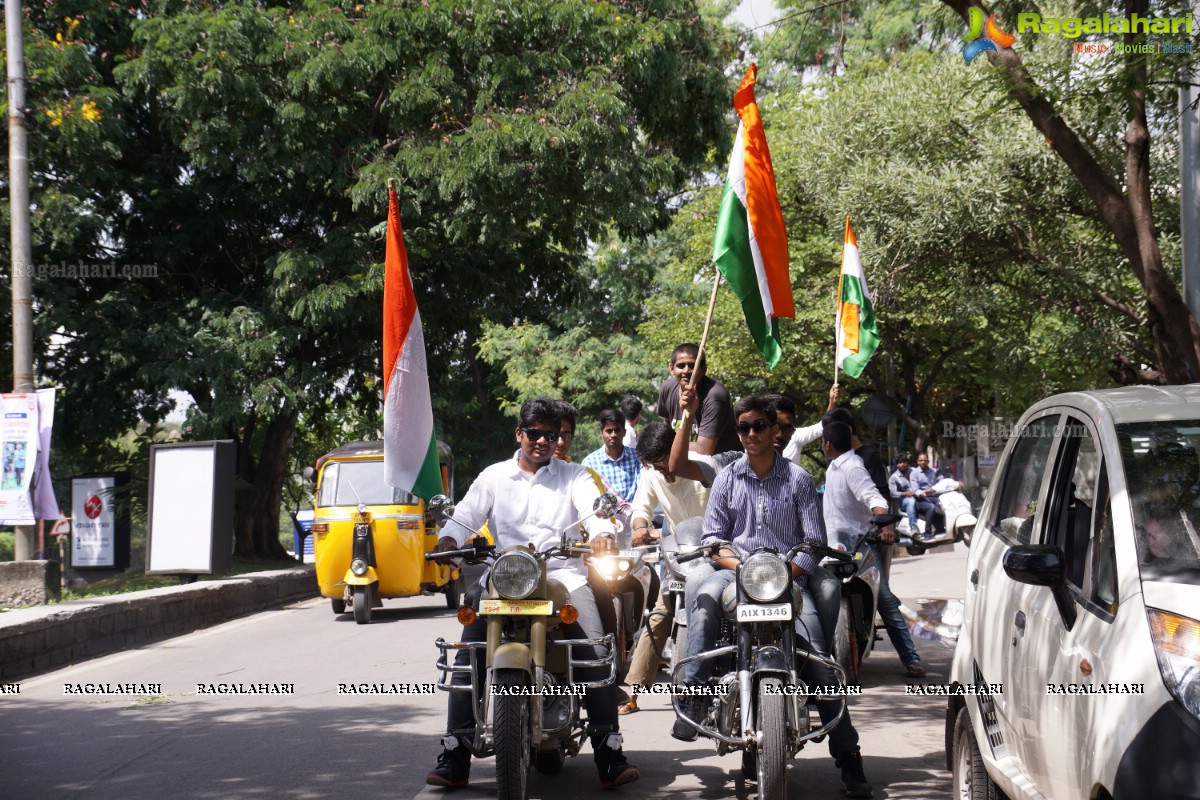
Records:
x=603, y=543
x=445, y=544
x=887, y=535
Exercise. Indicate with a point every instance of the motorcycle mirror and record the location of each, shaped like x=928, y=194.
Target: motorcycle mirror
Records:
x=606, y=505
x=440, y=507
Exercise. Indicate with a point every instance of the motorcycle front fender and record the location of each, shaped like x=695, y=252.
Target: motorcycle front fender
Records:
x=772, y=660
x=513, y=655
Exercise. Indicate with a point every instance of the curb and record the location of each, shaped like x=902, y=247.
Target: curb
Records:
x=40, y=639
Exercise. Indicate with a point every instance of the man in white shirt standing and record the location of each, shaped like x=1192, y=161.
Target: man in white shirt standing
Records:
x=532, y=498
x=631, y=409
x=851, y=498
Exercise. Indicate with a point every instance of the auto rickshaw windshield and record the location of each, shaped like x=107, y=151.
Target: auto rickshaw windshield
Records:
x=347, y=483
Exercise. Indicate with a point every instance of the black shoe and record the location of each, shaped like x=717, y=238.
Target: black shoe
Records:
x=694, y=708
x=922, y=538
x=854, y=782
x=610, y=761
x=454, y=765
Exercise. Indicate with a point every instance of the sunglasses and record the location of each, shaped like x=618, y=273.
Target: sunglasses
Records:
x=758, y=426
x=534, y=434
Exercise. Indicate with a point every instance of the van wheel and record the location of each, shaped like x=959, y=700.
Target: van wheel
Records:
x=915, y=550
x=971, y=781
x=339, y=605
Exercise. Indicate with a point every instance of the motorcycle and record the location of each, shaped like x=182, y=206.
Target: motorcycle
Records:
x=633, y=586
x=684, y=539
x=528, y=709
x=958, y=517
x=854, y=635
x=761, y=705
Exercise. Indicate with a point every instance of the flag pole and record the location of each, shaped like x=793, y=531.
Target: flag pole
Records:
x=698, y=373
x=837, y=309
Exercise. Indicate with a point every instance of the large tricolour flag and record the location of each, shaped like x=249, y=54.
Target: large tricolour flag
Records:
x=857, y=334
x=410, y=460
x=750, y=247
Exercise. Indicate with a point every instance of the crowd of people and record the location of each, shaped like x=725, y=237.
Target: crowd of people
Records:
x=737, y=466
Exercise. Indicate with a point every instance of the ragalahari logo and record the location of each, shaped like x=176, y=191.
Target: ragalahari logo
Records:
x=93, y=506
x=983, y=34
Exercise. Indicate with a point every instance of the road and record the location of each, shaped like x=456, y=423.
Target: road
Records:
x=317, y=743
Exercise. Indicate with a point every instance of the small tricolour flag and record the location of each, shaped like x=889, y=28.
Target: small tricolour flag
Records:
x=750, y=246
x=410, y=460
x=857, y=334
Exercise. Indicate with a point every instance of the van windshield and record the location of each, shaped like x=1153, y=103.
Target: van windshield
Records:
x=1162, y=469
x=346, y=483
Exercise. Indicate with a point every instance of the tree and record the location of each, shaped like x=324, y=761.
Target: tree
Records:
x=1115, y=173
x=243, y=151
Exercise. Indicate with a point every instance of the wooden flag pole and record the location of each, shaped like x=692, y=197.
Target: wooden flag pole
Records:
x=698, y=373
x=837, y=309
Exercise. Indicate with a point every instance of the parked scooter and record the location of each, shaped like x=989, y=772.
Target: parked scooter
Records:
x=854, y=636
x=763, y=709
x=528, y=709
x=956, y=514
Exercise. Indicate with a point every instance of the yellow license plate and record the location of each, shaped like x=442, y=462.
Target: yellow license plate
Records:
x=491, y=605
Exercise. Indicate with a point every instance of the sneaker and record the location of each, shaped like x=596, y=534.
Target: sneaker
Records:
x=854, y=782
x=610, y=761
x=454, y=765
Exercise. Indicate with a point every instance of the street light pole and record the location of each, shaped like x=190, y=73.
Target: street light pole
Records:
x=22, y=254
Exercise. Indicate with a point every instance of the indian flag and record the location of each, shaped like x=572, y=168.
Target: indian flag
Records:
x=857, y=334
x=410, y=460
x=750, y=247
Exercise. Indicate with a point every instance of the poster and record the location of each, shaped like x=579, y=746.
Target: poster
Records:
x=93, y=521
x=19, y=437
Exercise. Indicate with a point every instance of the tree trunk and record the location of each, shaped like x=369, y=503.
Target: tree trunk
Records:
x=263, y=479
x=1175, y=334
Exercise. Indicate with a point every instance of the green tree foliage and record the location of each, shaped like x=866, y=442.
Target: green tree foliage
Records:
x=243, y=151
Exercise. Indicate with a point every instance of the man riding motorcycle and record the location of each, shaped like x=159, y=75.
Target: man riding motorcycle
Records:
x=532, y=498
x=765, y=500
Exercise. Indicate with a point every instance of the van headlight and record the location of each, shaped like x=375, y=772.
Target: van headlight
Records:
x=515, y=575
x=1177, y=645
x=765, y=576
x=358, y=567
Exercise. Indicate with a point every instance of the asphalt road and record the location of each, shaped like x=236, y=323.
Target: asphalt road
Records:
x=319, y=743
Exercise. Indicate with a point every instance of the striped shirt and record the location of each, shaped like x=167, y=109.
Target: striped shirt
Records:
x=621, y=474
x=777, y=511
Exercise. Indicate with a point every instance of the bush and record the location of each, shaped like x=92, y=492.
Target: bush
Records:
x=8, y=546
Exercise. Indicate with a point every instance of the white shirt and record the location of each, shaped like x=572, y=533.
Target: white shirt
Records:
x=680, y=499
x=630, y=439
x=800, y=438
x=520, y=508
x=850, y=494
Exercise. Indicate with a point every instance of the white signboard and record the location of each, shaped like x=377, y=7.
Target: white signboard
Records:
x=191, y=508
x=94, y=523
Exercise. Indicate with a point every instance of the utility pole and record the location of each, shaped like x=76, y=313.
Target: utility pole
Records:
x=22, y=254
x=1189, y=186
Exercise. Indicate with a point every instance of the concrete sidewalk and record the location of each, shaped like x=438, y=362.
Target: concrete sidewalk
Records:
x=43, y=638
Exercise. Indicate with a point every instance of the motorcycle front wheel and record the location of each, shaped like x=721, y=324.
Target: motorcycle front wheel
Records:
x=512, y=734
x=772, y=750
x=845, y=643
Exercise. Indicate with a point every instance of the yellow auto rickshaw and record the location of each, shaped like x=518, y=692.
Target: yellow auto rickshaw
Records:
x=369, y=538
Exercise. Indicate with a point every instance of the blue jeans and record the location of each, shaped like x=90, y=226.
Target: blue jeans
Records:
x=704, y=621
x=889, y=612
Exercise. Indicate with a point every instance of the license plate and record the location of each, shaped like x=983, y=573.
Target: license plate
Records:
x=749, y=613
x=494, y=605
x=675, y=586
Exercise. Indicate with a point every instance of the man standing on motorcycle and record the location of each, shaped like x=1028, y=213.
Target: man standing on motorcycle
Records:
x=762, y=500
x=851, y=498
x=533, y=498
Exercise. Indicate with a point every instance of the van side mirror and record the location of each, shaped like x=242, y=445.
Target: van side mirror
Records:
x=308, y=474
x=1042, y=565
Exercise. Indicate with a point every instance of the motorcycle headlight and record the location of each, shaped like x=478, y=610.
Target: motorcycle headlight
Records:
x=1177, y=645
x=358, y=567
x=612, y=567
x=765, y=576
x=515, y=575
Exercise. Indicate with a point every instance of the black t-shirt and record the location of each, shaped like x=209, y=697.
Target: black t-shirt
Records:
x=715, y=418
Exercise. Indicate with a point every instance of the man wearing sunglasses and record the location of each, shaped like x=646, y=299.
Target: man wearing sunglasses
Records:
x=532, y=498
x=764, y=500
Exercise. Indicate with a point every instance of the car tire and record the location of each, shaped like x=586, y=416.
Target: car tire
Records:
x=971, y=781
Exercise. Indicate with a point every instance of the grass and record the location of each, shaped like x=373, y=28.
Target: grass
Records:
x=137, y=581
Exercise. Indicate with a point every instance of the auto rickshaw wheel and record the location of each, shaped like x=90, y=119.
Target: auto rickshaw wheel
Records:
x=339, y=605
x=362, y=605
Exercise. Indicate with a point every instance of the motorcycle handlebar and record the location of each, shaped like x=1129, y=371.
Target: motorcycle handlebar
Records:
x=707, y=549
x=473, y=552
